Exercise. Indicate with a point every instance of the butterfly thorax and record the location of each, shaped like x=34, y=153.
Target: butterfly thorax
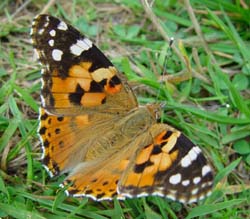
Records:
x=155, y=109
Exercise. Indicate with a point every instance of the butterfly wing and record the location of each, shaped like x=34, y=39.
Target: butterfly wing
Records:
x=81, y=89
x=76, y=76
x=170, y=166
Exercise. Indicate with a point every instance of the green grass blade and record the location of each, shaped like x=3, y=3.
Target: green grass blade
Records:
x=209, y=209
x=16, y=210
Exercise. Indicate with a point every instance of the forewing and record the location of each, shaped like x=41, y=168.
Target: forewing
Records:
x=77, y=77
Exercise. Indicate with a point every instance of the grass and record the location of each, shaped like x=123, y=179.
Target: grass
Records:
x=205, y=92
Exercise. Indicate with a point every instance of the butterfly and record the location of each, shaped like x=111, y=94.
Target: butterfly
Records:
x=92, y=127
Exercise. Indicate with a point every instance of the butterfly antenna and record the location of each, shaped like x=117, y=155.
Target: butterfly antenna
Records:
x=164, y=72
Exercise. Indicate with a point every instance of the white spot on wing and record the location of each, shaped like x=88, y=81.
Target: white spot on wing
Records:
x=208, y=193
x=204, y=185
x=51, y=42
x=52, y=33
x=158, y=193
x=42, y=82
x=42, y=101
x=40, y=32
x=36, y=54
x=193, y=199
x=170, y=196
x=190, y=156
x=33, y=22
x=32, y=41
x=62, y=26
x=194, y=191
x=185, y=182
x=201, y=197
x=182, y=200
x=210, y=183
x=80, y=46
x=185, y=161
x=48, y=170
x=193, y=153
x=46, y=24
x=196, y=180
x=175, y=179
x=197, y=150
x=206, y=169
x=31, y=31
x=57, y=54
x=143, y=194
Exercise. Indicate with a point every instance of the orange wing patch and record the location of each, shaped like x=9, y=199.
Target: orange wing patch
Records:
x=80, y=70
x=95, y=182
x=149, y=161
x=58, y=139
x=81, y=87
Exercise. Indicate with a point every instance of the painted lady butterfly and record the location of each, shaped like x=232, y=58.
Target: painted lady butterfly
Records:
x=92, y=127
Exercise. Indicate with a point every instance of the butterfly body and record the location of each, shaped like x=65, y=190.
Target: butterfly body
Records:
x=92, y=127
